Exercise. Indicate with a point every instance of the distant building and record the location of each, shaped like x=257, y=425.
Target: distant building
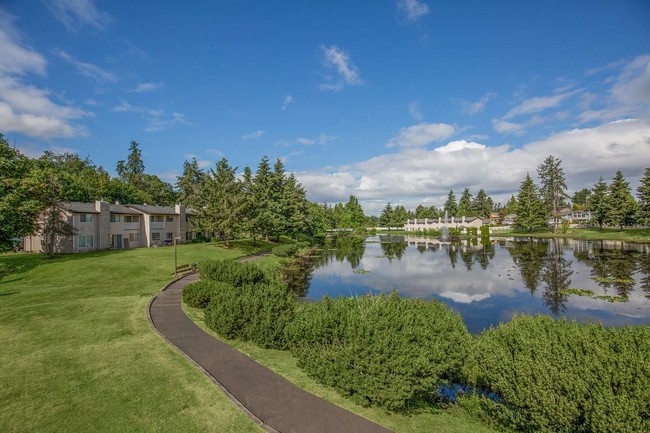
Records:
x=102, y=226
x=425, y=224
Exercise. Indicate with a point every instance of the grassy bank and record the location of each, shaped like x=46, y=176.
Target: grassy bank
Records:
x=627, y=235
x=78, y=353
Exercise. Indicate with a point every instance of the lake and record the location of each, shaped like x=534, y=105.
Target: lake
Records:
x=488, y=283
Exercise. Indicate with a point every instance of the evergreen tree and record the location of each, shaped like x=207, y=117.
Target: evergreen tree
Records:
x=553, y=189
x=55, y=224
x=250, y=209
x=133, y=168
x=386, y=217
x=530, y=211
x=511, y=206
x=355, y=213
x=262, y=187
x=278, y=218
x=189, y=182
x=465, y=203
x=598, y=204
x=482, y=205
x=294, y=207
x=643, y=192
x=620, y=205
x=451, y=207
x=399, y=216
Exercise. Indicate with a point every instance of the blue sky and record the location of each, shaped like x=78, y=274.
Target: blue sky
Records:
x=392, y=100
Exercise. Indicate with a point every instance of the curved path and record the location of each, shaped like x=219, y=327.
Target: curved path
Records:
x=273, y=402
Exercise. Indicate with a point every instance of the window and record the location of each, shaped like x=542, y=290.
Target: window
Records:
x=131, y=218
x=155, y=236
x=134, y=237
x=169, y=236
x=115, y=218
x=85, y=241
x=169, y=218
x=157, y=218
x=86, y=218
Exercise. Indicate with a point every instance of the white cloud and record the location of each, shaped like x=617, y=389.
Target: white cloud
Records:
x=421, y=134
x=251, y=135
x=633, y=85
x=305, y=141
x=505, y=127
x=14, y=57
x=414, y=111
x=472, y=108
x=77, y=13
x=148, y=87
x=412, y=9
x=88, y=70
x=338, y=59
x=157, y=119
x=288, y=100
x=416, y=175
x=537, y=104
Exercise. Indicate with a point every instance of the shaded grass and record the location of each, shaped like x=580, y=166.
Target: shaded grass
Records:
x=78, y=353
x=424, y=420
x=627, y=235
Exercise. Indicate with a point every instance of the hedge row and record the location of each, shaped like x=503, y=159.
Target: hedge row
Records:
x=199, y=294
x=231, y=272
x=547, y=375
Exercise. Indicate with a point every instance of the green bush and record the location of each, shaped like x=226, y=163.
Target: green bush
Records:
x=286, y=250
x=380, y=350
x=485, y=231
x=198, y=294
x=231, y=272
x=559, y=376
x=256, y=312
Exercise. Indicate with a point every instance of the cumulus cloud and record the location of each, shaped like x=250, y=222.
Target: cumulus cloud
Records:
x=412, y=10
x=88, y=70
x=417, y=175
x=251, y=135
x=421, y=134
x=348, y=74
x=74, y=14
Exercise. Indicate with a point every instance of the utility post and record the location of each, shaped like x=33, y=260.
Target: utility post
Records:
x=176, y=238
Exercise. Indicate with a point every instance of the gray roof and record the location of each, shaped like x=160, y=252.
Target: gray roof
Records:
x=79, y=207
x=191, y=211
x=118, y=208
x=154, y=210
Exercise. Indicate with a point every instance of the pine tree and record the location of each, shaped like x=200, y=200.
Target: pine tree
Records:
x=465, y=203
x=598, y=204
x=355, y=213
x=553, y=189
x=278, y=219
x=530, y=211
x=482, y=205
x=188, y=183
x=620, y=204
x=643, y=192
x=511, y=206
x=451, y=207
x=262, y=192
x=386, y=217
x=250, y=209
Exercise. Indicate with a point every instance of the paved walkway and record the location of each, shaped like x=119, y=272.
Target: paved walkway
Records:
x=275, y=403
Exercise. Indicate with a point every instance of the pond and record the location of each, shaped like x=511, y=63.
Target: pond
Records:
x=589, y=281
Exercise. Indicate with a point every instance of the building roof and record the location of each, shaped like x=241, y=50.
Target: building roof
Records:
x=154, y=210
x=118, y=208
x=79, y=207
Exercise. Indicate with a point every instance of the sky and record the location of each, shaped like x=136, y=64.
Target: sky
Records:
x=389, y=100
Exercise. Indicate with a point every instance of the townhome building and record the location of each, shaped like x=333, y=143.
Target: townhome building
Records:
x=424, y=224
x=103, y=226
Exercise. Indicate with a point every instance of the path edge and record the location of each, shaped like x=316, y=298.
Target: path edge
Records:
x=234, y=399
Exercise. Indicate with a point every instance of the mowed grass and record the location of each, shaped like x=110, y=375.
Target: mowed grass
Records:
x=77, y=353
x=613, y=234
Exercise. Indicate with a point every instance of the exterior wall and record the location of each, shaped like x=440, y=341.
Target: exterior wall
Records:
x=88, y=228
x=128, y=231
x=437, y=224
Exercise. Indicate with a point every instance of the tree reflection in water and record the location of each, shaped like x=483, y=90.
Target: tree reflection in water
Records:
x=529, y=257
x=393, y=246
x=556, y=273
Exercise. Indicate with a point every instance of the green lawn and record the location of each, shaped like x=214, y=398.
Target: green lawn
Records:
x=628, y=235
x=78, y=353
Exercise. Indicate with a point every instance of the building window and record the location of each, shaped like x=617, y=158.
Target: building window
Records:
x=169, y=236
x=131, y=218
x=85, y=241
x=115, y=218
x=169, y=218
x=155, y=236
x=86, y=218
x=157, y=218
x=134, y=237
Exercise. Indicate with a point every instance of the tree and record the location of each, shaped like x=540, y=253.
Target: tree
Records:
x=511, y=206
x=400, y=215
x=262, y=192
x=465, y=203
x=278, y=219
x=643, y=192
x=482, y=205
x=553, y=189
x=133, y=168
x=386, y=217
x=598, y=204
x=55, y=224
x=450, y=205
x=620, y=204
x=189, y=182
x=530, y=211
x=21, y=196
x=581, y=199
x=355, y=213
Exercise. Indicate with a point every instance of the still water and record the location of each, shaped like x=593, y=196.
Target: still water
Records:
x=488, y=283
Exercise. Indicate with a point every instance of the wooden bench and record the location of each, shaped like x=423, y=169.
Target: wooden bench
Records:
x=183, y=270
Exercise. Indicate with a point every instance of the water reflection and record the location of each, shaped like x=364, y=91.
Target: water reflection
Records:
x=488, y=281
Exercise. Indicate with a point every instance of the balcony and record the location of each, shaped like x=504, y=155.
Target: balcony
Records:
x=157, y=225
x=132, y=226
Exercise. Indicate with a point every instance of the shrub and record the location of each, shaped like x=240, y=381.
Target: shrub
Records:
x=257, y=312
x=286, y=250
x=231, y=272
x=559, y=376
x=382, y=350
x=198, y=294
